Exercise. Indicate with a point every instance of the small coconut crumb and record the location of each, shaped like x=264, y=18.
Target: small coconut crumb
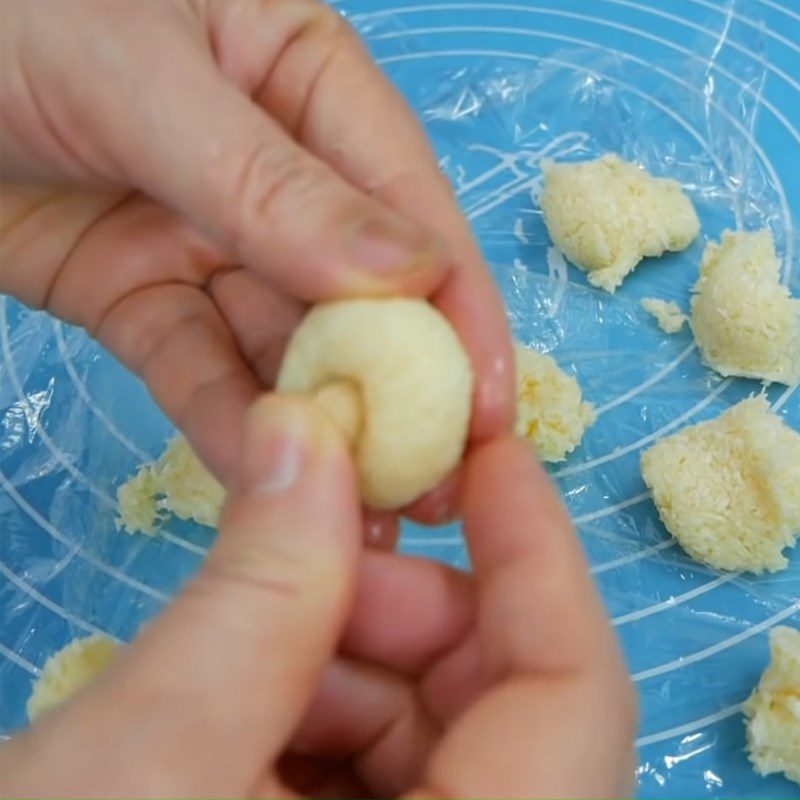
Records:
x=772, y=711
x=668, y=315
x=177, y=484
x=729, y=489
x=67, y=671
x=744, y=321
x=550, y=410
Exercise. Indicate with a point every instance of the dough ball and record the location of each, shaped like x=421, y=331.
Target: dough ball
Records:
x=773, y=709
x=744, y=321
x=729, y=489
x=66, y=672
x=405, y=365
x=550, y=411
x=608, y=214
x=667, y=314
x=178, y=483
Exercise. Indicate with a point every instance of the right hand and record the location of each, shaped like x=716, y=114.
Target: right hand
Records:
x=295, y=663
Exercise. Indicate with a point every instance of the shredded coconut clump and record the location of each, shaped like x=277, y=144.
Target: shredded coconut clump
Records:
x=550, y=411
x=67, y=671
x=744, y=320
x=608, y=214
x=178, y=483
x=729, y=489
x=772, y=711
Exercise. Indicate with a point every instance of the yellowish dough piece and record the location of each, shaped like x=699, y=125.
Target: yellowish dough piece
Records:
x=394, y=375
x=773, y=709
x=729, y=489
x=667, y=314
x=70, y=669
x=606, y=215
x=550, y=411
x=744, y=321
x=178, y=483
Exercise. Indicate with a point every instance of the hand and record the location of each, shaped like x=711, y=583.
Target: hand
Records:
x=181, y=177
x=508, y=684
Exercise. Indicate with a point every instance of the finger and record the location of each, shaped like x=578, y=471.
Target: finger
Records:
x=278, y=209
x=261, y=317
x=234, y=173
x=407, y=611
x=455, y=681
x=40, y=224
x=276, y=588
x=438, y=506
x=312, y=777
x=152, y=312
x=236, y=658
x=534, y=583
x=319, y=82
x=132, y=274
x=298, y=772
x=381, y=530
x=373, y=717
x=174, y=338
x=538, y=738
x=557, y=672
x=339, y=785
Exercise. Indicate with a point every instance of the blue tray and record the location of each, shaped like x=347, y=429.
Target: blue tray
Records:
x=702, y=90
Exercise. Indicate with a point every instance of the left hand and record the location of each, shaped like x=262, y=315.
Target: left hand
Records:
x=295, y=665
x=182, y=177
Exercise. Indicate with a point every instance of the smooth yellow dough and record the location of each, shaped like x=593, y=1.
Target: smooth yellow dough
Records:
x=67, y=671
x=606, y=215
x=667, y=314
x=394, y=375
x=773, y=709
x=729, y=489
x=550, y=410
x=178, y=483
x=744, y=321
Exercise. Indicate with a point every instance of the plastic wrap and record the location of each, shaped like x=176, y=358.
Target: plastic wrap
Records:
x=75, y=424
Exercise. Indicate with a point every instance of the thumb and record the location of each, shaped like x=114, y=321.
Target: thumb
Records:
x=237, y=657
x=274, y=206
x=156, y=112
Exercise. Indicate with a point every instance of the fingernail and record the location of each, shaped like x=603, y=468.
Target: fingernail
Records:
x=390, y=243
x=278, y=442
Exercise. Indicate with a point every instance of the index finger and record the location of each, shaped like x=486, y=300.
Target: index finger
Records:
x=559, y=719
x=539, y=610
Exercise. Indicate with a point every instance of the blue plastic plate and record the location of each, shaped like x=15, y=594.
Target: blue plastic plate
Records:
x=702, y=90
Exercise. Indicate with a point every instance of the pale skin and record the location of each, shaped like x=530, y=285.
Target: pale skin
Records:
x=183, y=179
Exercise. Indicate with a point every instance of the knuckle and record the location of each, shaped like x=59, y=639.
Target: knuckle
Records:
x=268, y=187
x=330, y=22
x=315, y=16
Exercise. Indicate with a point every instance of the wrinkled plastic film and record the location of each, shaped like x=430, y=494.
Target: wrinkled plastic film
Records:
x=75, y=424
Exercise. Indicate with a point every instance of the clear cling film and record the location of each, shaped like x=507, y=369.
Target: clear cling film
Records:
x=704, y=92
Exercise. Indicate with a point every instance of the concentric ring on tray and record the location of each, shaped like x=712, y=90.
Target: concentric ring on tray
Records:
x=96, y=410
